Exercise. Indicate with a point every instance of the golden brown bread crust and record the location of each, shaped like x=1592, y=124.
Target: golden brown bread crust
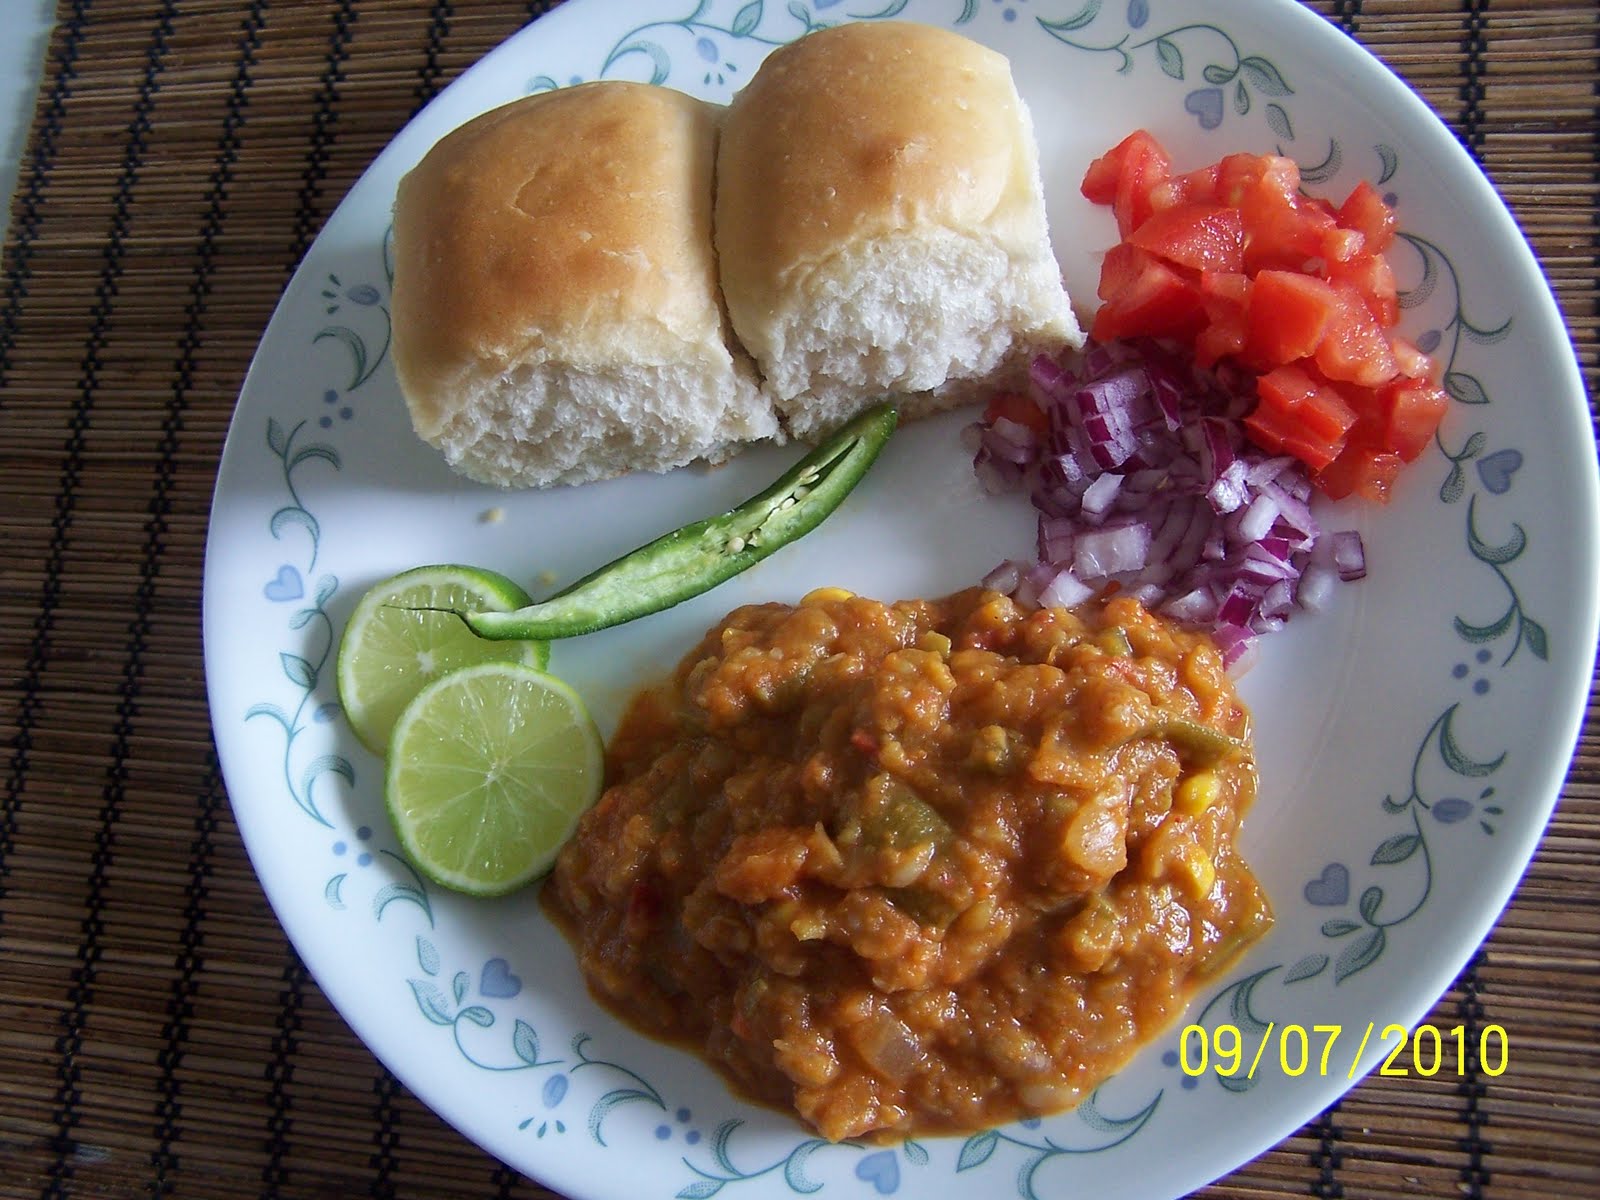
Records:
x=873, y=218
x=864, y=130
x=880, y=225
x=572, y=226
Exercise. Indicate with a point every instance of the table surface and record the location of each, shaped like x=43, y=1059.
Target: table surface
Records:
x=161, y=1036
x=21, y=55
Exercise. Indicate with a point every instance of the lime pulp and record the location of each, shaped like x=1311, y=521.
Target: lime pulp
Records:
x=404, y=634
x=489, y=769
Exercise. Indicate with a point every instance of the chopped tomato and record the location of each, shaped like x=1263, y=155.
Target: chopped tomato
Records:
x=1101, y=179
x=1235, y=260
x=1310, y=425
x=1401, y=416
x=1365, y=212
x=1224, y=335
x=1313, y=402
x=1225, y=295
x=1124, y=177
x=1265, y=189
x=1290, y=314
x=1360, y=471
x=1123, y=263
x=1373, y=277
x=1241, y=175
x=1418, y=407
x=1206, y=237
x=1132, y=207
x=1413, y=363
x=1282, y=235
x=1283, y=229
x=1014, y=406
x=1159, y=302
x=1281, y=433
x=1356, y=348
x=1231, y=286
x=1341, y=245
x=1193, y=187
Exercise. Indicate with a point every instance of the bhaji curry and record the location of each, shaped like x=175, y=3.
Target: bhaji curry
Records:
x=919, y=867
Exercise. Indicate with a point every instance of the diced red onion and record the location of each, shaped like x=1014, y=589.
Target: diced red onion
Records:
x=1263, y=564
x=1264, y=470
x=1098, y=496
x=1296, y=512
x=1238, y=647
x=1349, y=555
x=1056, y=536
x=991, y=477
x=1216, y=447
x=1168, y=391
x=1040, y=575
x=1011, y=440
x=1147, y=480
x=1005, y=577
x=1239, y=606
x=1147, y=594
x=1278, y=600
x=1230, y=490
x=1151, y=479
x=1316, y=588
x=1173, y=526
x=1065, y=591
x=1197, y=607
x=1047, y=376
x=1113, y=551
x=1193, y=547
x=1257, y=520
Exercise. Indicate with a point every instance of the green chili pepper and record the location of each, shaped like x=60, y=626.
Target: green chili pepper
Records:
x=1199, y=744
x=901, y=819
x=926, y=908
x=696, y=558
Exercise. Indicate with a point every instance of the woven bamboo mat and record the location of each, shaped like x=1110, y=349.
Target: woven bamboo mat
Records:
x=159, y=1036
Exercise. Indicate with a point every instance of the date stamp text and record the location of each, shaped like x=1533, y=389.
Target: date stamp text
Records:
x=1324, y=1050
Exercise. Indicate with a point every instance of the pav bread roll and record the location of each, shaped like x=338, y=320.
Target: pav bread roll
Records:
x=880, y=224
x=557, y=316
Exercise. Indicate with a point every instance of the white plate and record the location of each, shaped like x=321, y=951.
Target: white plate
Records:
x=1412, y=740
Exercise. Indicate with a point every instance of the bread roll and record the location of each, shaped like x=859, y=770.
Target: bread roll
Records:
x=880, y=224
x=557, y=316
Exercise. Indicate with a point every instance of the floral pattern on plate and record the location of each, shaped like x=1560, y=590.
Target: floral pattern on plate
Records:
x=1359, y=903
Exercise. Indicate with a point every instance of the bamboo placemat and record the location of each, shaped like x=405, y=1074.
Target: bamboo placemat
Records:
x=160, y=1037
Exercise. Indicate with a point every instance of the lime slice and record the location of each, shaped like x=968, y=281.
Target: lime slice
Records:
x=489, y=770
x=390, y=649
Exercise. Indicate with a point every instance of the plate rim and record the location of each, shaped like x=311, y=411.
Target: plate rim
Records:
x=1311, y=1096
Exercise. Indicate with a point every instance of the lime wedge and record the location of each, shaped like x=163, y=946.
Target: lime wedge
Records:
x=391, y=648
x=489, y=770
